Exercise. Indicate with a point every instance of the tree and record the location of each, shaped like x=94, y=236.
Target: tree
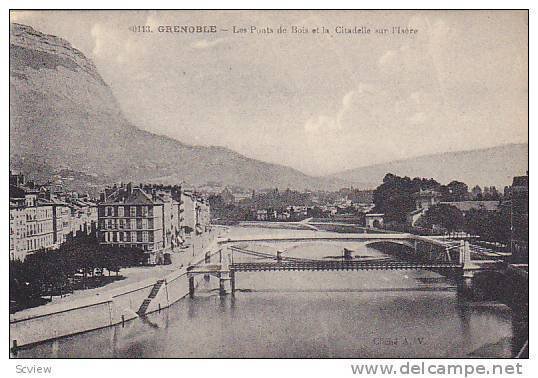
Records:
x=443, y=215
x=489, y=225
x=477, y=193
x=48, y=272
x=394, y=197
x=315, y=212
x=458, y=191
x=491, y=194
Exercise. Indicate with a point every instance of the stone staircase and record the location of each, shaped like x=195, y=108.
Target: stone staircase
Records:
x=145, y=304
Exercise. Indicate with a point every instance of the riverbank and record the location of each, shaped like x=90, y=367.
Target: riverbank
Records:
x=301, y=314
x=154, y=287
x=305, y=314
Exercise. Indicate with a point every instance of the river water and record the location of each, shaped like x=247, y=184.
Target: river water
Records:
x=364, y=314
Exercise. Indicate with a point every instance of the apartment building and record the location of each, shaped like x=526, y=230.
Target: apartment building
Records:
x=130, y=217
x=195, y=213
x=17, y=230
x=31, y=223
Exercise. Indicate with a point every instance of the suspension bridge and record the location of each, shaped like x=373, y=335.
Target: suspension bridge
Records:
x=421, y=253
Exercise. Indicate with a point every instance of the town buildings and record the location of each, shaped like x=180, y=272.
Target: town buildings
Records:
x=424, y=199
x=31, y=223
x=42, y=219
x=195, y=213
x=466, y=206
x=18, y=245
x=154, y=218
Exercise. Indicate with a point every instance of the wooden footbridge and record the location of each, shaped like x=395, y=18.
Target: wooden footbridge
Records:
x=423, y=253
x=322, y=265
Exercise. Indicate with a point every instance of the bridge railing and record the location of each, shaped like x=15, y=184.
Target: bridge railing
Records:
x=340, y=265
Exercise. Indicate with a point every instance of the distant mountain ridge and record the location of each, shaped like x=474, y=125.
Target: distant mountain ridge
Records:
x=63, y=116
x=65, y=123
x=495, y=166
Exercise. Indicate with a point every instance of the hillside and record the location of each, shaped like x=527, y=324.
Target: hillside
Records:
x=64, y=118
x=491, y=166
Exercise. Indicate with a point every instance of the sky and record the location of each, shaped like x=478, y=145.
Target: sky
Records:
x=320, y=103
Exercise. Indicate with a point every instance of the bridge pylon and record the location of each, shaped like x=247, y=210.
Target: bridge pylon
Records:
x=465, y=253
x=465, y=285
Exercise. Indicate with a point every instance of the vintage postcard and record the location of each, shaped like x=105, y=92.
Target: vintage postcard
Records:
x=269, y=184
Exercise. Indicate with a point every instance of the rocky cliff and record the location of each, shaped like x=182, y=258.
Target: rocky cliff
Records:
x=64, y=118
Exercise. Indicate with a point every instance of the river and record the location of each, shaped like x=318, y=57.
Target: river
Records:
x=366, y=314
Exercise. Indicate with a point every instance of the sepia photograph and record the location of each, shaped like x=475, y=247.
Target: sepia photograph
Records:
x=269, y=184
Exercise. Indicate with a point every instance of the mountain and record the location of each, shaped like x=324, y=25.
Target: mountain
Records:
x=64, y=118
x=491, y=166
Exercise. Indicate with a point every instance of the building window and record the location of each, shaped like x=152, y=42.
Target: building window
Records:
x=139, y=236
x=145, y=236
x=144, y=211
x=120, y=211
x=132, y=209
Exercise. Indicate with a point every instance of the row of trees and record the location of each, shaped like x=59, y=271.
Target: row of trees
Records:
x=46, y=272
x=394, y=197
x=491, y=226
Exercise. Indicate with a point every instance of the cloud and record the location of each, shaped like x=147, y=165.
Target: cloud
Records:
x=322, y=124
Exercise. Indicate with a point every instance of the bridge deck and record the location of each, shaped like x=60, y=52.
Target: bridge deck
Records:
x=338, y=265
x=344, y=238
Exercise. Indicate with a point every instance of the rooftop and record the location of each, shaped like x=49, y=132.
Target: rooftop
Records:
x=468, y=205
